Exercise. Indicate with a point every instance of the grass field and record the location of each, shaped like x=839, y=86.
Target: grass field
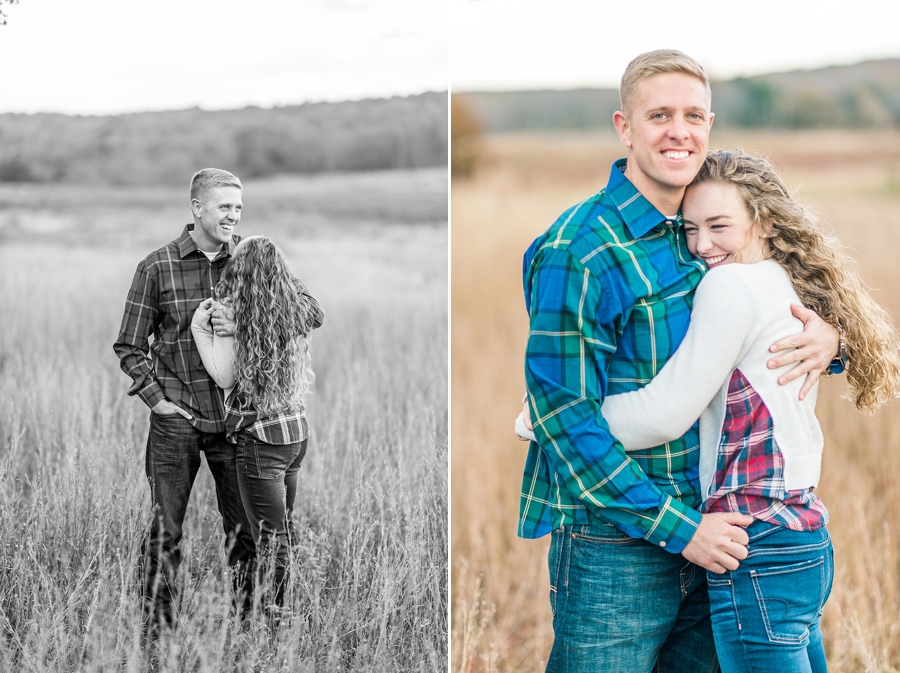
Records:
x=499, y=584
x=369, y=589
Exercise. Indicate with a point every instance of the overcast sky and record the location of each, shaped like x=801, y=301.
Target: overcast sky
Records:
x=110, y=56
x=533, y=44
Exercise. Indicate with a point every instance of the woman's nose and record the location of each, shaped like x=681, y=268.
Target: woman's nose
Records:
x=704, y=242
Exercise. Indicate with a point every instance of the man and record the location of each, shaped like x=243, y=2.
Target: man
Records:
x=187, y=408
x=609, y=289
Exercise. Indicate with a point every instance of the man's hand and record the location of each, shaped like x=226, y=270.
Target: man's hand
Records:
x=223, y=320
x=166, y=408
x=719, y=543
x=814, y=349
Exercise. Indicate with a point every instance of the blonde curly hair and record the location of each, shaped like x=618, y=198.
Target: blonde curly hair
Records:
x=272, y=363
x=824, y=276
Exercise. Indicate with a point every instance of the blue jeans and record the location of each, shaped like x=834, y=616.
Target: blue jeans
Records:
x=172, y=461
x=624, y=605
x=267, y=478
x=766, y=613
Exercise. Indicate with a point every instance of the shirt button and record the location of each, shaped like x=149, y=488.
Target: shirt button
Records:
x=662, y=544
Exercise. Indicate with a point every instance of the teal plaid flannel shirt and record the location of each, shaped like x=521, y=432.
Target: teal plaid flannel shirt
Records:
x=609, y=289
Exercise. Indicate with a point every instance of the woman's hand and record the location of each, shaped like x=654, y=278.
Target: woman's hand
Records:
x=524, y=428
x=223, y=319
x=203, y=313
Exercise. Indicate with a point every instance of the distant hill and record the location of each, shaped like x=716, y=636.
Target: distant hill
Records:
x=865, y=95
x=163, y=148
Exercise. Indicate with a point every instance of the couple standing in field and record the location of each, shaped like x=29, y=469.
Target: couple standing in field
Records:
x=224, y=375
x=677, y=544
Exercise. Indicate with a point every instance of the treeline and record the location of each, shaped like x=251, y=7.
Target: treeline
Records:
x=865, y=95
x=165, y=147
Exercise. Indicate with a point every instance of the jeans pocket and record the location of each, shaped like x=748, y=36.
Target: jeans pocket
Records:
x=602, y=533
x=268, y=461
x=790, y=598
x=555, y=562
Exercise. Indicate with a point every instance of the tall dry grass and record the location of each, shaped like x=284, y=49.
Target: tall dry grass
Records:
x=368, y=589
x=499, y=584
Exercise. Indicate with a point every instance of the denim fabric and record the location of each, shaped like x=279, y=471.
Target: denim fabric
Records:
x=766, y=613
x=267, y=478
x=172, y=461
x=622, y=604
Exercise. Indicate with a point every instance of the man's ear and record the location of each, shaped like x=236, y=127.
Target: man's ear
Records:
x=196, y=207
x=623, y=127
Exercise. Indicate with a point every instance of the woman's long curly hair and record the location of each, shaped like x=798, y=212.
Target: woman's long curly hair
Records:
x=824, y=276
x=271, y=355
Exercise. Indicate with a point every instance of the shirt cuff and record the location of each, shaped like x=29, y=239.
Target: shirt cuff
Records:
x=674, y=527
x=151, y=394
x=837, y=366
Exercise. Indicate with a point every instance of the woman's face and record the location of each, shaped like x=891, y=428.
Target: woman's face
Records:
x=718, y=228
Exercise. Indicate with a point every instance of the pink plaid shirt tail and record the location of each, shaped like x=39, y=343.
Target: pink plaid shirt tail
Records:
x=749, y=474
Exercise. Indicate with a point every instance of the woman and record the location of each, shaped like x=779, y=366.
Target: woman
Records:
x=265, y=371
x=760, y=443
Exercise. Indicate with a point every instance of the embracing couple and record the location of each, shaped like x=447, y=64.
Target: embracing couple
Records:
x=656, y=302
x=224, y=375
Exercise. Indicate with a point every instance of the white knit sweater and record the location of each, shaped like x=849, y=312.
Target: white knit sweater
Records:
x=739, y=311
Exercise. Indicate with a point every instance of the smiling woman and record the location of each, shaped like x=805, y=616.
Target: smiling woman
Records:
x=718, y=227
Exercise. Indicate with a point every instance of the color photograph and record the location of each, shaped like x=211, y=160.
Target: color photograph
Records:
x=710, y=517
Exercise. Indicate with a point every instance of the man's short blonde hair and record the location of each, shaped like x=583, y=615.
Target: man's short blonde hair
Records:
x=209, y=178
x=654, y=63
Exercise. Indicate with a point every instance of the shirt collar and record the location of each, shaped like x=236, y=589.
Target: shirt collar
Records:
x=638, y=214
x=186, y=244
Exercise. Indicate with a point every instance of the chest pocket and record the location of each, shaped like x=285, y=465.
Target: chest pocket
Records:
x=653, y=331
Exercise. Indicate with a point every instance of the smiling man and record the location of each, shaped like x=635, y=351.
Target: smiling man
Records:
x=187, y=410
x=609, y=289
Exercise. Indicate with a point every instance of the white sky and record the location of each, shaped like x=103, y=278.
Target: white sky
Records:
x=557, y=44
x=110, y=56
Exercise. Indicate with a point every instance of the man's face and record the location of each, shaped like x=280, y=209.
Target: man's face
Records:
x=667, y=133
x=216, y=216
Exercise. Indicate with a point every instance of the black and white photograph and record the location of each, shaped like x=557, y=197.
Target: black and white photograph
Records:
x=224, y=336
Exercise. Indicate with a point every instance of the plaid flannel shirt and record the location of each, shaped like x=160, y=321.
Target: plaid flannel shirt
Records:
x=609, y=289
x=287, y=427
x=749, y=474
x=168, y=286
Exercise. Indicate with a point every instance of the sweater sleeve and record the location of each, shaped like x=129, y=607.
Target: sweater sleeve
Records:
x=216, y=352
x=723, y=315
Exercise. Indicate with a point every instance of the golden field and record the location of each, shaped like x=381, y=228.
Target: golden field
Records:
x=500, y=613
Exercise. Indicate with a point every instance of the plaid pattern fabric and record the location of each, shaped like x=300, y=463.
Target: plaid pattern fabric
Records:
x=750, y=468
x=283, y=428
x=609, y=289
x=168, y=286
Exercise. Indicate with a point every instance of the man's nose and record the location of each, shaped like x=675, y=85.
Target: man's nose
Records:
x=678, y=128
